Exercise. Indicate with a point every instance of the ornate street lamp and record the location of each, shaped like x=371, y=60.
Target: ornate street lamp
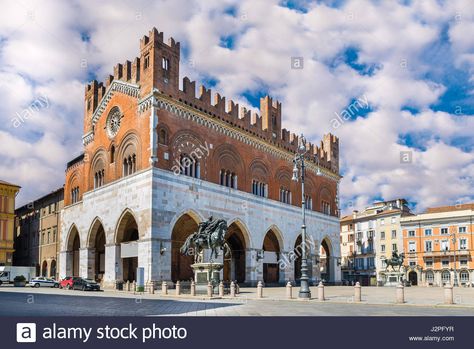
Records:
x=455, y=271
x=299, y=172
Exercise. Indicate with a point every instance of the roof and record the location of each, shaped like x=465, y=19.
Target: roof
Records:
x=446, y=215
x=460, y=207
x=10, y=184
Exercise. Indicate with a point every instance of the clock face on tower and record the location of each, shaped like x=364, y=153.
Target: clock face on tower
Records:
x=113, y=122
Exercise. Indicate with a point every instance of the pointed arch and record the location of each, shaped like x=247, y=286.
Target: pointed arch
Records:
x=238, y=238
x=327, y=239
x=96, y=240
x=244, y=229
x=326, y=259
x=182, y=227
x=70, y=237
x=127, y=235
x=92, y=233
x=122, y=224
x=197, y=216
x=72, y=246
x=278, y=234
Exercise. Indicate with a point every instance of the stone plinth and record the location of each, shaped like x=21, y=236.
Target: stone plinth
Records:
x=205, y=273
x=393, y=278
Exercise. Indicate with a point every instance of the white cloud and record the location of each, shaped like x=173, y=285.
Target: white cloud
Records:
x=42, y=48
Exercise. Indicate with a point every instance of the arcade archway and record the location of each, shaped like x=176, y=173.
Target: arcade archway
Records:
x=271, y=248
x=325, y=260
x=234, y=267
x=73, y=246
x=97, y=244
x=297, y=258
x=181, y=264
x=52, y=270
x=44, y=269
x=127, y=237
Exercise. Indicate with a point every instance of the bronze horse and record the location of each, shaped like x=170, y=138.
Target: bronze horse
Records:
x=396, y=260
x=210, y=236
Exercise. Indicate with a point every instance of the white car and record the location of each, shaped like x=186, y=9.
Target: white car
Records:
x=43, y=282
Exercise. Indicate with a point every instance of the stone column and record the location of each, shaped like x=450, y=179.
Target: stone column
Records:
x=149, y=258
x=316, y=268
x=86, y=262
x=282, y=272
x=286, y=265
x=251, y=266
x=113, y=266
x=337, y=274
x=65, y=265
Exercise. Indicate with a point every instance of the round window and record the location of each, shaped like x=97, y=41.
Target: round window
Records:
x=113, y=122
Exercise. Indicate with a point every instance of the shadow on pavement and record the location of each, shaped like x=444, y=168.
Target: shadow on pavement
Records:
x=24, y=304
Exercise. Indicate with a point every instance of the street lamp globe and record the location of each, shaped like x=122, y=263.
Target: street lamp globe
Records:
x=295, y=174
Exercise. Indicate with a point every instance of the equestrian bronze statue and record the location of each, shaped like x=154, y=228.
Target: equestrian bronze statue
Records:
x=210, y=235
x=396, y=260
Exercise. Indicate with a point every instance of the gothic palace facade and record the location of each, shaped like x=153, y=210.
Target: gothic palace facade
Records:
x=158, y=160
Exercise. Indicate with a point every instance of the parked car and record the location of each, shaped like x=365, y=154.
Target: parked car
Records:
x=85, y=285
x=42, y=281
x=67, y=282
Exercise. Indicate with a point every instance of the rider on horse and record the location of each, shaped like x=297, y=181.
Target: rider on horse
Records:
x=202, y=232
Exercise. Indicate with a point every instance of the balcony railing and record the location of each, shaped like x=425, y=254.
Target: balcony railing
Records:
x=441, y=253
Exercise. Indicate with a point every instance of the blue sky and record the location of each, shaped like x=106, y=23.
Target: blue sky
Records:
x=413, y=61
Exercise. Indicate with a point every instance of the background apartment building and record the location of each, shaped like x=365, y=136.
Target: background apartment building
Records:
x=8, y=194
x=368, y=238
x=439, y=246
x=37, y=233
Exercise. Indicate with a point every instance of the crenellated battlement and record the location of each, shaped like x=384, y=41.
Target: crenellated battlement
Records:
x=157, y=68
x=156, y=37
x=266, y=125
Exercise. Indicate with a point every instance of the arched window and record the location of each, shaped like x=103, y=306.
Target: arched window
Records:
x=74, y=195
x=162, y=136
x=429, y=277
x=190, y=166
x=446, y=277
x=228, y=179
x=112, y=154
x=98, y=166
x=129, y=165
x=99, y=178
x=326, y=207
x=259, y=188
x=464, y=276
x=285, y=195
x=308, y=202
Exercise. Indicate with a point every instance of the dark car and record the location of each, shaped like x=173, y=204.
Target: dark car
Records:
x=85, y=285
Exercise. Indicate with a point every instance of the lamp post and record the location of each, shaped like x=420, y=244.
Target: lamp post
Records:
x=454, y=248
x=299, y=172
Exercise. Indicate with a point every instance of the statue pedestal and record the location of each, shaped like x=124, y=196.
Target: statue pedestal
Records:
x=392, y=278
x=205, y=273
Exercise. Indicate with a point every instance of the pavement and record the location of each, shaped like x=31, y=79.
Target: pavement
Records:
x=376, y=301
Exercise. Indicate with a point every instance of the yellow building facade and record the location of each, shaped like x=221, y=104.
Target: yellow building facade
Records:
x=8, y=194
